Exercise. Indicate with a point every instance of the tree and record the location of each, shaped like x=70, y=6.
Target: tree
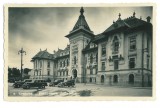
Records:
x=26, y=70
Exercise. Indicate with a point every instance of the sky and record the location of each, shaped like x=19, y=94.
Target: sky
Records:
x=35, y=28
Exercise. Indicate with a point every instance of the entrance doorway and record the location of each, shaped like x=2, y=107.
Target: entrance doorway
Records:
x=131, y=78
x=74, y=73
x=102, y=79
x=115, y=78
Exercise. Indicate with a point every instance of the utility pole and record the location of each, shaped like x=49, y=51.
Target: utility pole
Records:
x=21, y=53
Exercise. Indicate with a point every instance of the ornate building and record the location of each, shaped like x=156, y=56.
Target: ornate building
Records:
x=121, y=55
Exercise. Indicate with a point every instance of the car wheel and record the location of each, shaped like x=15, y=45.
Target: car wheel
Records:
x=28, y=87
x=43, y=86
x=62, y=85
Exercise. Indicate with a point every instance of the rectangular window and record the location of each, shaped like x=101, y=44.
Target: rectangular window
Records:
x=67, y=62
x=60, y=64
x=133, y=43
x=40, y=64
x=91, y=71
x=103, y=66
x=48, y=64
x=48, y=72
x=103, y=49
x=64, y=64
x=40, y=72
x=75, y=59
x=67, y=73
x=116, y=64
x=91, y=58
x=147, y=63
x=132, y=63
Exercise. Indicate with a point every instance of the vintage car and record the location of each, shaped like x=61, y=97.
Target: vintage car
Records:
x=67, y=83
x=56, y=82
x=19, y=84
x=38, y=83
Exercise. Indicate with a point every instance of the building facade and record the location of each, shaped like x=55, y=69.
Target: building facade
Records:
x=121, y=55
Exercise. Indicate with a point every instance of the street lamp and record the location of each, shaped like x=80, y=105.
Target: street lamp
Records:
x=21, y=53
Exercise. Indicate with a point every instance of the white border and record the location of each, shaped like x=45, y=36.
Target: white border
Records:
x=112, y=104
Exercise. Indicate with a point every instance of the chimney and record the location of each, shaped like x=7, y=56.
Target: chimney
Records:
x=148, y=19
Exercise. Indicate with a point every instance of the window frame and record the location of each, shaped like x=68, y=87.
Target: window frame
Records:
x=103, y=67
x=132, y=42
x=48, y=64
x=132, y=60
x=116, y=64
x=116, y=44
x=103, y=49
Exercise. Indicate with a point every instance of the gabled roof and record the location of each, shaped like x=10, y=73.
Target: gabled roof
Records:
x=43, y=55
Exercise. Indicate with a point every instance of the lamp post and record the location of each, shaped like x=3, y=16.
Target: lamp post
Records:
x=21, y=53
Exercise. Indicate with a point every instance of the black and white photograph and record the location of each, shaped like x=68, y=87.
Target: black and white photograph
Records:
x=79, y=51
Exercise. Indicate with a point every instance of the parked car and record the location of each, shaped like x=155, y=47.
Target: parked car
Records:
x=67, y=83
x=40, y=83
x=19, y=84
x=56, y=82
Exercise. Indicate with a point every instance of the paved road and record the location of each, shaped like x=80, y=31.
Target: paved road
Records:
x=81, y=90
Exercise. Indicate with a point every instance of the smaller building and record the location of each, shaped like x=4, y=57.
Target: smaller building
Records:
x=43, y=65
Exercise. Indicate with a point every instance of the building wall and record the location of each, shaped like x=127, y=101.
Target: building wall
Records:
x=77, y=44
x=63, y=71
x=41, y=70
x=91, y=67
x=123, y=70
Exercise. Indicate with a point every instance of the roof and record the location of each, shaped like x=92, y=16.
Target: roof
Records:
x=62, y=53
x=130, y=22
x=43, y=55
x=81, y=24
x=122, y=25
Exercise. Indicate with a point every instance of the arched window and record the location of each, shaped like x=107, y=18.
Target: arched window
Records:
x=91, y=58
x=131, y=78
x=115, y=78
x=74, y=59
x=115, y=44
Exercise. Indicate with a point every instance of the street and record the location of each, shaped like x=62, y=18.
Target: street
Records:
x=80, y=90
